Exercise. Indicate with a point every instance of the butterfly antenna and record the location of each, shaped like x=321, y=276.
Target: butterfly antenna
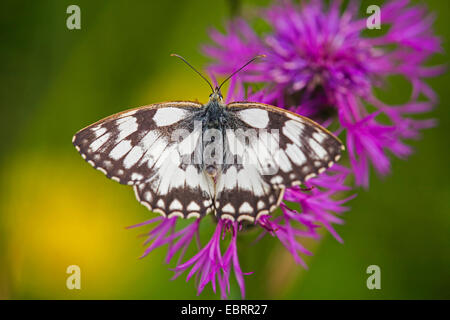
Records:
x=229, y=77
x=185, y=61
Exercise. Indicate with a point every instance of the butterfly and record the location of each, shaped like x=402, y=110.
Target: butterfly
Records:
x=189, y=159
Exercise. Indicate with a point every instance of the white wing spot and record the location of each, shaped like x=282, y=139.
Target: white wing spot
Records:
x=149, y=139
x=318, y=149
x=295, y=154
x=148, y=196
x=99, y=132
x=257, y=118
x=193, y=206
x=120, y=150
x=228, y=208
x=133, y=157
x=245, y=208
x=126, y=126
x=99, y=142
x=293, y=130
x=167, y=116
x=176, y=205
x=261, y=205
x=283, y=160
x=319, y=137
x=160, y=203
x=306, y=169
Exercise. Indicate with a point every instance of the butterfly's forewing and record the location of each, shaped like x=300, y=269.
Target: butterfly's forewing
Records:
x=304, y=148
x=288, y=150
x=137, y=148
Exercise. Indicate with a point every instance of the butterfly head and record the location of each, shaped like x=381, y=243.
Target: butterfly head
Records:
x=216, y=96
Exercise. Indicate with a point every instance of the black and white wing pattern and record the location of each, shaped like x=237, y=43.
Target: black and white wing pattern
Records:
x=158, y=149
x=137, y=147
x=243, y=194
x=282, y=150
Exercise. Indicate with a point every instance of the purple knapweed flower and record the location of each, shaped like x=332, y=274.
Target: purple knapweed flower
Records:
x=319, y=63
x=209, y=264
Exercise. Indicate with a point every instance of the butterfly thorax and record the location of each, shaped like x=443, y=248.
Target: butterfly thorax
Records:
x=215, y=116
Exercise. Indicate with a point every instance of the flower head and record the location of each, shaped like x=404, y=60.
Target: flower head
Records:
x=319, y=63
x=209, y=264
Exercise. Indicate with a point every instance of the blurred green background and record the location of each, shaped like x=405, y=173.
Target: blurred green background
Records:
x=57, y=211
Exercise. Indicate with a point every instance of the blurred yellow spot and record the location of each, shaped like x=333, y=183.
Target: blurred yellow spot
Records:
x=58, y=212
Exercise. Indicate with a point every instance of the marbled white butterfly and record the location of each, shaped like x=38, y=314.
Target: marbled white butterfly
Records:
x=188, y=159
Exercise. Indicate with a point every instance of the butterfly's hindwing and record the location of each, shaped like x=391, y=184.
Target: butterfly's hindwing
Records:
x=243, y=194
x=191, y=199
